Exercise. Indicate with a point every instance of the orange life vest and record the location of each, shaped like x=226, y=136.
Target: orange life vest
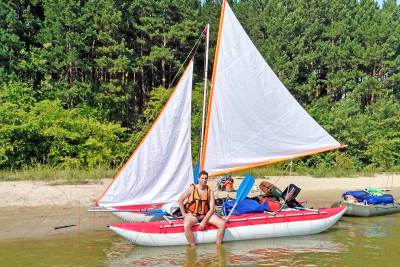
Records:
x=194, y=202
x=228, y=185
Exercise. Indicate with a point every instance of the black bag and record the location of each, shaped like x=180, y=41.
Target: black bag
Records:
x=290, y=194
x=220, y=201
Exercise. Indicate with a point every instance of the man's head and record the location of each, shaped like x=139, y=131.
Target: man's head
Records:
x=203, y=177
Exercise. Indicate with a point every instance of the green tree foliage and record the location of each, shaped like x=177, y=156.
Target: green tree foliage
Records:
x=19, y=23
x=197, y=115
x=81, y=82
x=44, y=132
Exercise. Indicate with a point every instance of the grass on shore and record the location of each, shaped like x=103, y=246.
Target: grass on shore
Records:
x=282, y=170
x=56, y=176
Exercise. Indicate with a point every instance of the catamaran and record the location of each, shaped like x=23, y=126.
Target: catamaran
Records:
x=252, y=121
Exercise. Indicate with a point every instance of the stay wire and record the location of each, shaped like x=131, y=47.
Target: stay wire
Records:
x=196, y=45
x=289, y=165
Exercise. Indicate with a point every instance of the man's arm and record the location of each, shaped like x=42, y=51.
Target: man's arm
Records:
x=212, y=207
x=182, y=198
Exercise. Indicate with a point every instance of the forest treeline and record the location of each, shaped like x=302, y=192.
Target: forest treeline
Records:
x=81, y=81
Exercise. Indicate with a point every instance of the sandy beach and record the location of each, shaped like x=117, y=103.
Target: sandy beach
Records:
x=30, y=210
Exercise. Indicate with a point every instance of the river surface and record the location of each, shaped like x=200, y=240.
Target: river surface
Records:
x=350, y=242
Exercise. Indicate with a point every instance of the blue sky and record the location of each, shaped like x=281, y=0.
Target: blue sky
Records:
x=381, y=1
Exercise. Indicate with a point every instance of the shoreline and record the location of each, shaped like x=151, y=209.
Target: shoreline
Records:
x=31, y=210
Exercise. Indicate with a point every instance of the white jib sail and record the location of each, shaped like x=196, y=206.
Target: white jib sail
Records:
x=161, y=167
x=253, y=118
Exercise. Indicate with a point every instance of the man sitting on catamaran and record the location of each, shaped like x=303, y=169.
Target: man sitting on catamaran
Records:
x=200, y=209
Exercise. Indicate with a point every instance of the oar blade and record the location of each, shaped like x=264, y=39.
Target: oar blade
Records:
x=245, y=188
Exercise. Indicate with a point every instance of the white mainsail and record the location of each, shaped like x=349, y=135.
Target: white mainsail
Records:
x=253, y=120
x=161, y=167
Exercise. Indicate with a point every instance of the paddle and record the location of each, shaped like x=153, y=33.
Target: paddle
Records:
x=196, y=173
x=244, y=189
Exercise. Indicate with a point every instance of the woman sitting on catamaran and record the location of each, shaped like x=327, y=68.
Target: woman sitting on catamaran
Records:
x=200, y=209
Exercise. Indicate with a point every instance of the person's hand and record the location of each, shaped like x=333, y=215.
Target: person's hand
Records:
x=202, y=225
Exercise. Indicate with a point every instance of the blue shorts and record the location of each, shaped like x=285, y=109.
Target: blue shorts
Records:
x=199, y=218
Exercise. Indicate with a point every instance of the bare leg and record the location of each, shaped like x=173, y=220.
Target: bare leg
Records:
x=188, y=222
x=220, y=224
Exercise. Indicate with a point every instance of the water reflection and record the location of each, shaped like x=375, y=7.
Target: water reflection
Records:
x=350, y=242
x=381, y=230
x=371, y=227
x=254, y=252
x=198, y=257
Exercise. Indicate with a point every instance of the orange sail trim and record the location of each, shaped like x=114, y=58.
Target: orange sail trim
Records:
x=274, y=161
x=183, y=75
x=221, y=22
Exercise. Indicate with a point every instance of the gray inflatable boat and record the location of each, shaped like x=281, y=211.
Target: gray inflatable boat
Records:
x=360, y=210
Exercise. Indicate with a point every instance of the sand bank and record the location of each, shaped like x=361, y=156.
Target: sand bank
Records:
x=32, y=209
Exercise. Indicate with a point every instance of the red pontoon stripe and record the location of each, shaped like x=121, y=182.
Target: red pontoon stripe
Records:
x=162, y=227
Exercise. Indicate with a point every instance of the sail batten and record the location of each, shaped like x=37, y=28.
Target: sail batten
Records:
x=160, y=168
x=253, y=120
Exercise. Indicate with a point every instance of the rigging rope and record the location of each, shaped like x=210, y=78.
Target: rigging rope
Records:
x=289, y=165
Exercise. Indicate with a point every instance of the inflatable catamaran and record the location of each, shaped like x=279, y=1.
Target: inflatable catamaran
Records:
x=252, y=121
x=244, y=227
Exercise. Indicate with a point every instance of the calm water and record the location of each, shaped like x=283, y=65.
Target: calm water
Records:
x=351, y=242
